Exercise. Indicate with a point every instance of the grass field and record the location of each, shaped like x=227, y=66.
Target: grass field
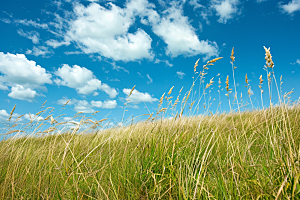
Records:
x=243, y=154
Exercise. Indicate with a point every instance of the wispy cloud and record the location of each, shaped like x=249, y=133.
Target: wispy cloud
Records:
x=180, y=74
x=32, y=35
x=40, y=51
x=150, y=80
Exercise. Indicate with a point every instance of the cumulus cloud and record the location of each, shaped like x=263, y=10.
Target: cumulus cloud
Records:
x=96, y=29
x=3, y=87
x=32, y=35
x=226, y=9
x=39, y=51
x=83, y=106
x=108, y=104
x=87, y=107
x=83, y=80
x=180, y=36
x=138, y=97
x=105, y=30
x=4, y=115
x=22, y=75
x=291, y=7
x=180, y=74
x=19, y=92
x=33, y=117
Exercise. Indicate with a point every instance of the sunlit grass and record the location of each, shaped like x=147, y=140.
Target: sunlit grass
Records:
x=244, y=154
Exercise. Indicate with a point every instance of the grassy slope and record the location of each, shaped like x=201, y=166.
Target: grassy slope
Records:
x=247, y=155
x=222, y=156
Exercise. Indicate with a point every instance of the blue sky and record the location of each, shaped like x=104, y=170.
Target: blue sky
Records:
x=93, y=52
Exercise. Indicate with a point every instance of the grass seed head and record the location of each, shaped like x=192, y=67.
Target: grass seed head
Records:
x=131, y=91
x=196, y=64
x=232, y=53
x=170, y=91
x=213, y=60
x=268, y=58
x=246, y=79
x=66, y=103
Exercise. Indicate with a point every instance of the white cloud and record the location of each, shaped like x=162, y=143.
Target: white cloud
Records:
x=32, y=35
x=105, y=30
x=83, y=106
x=291, y=7
x=259, y=1
x=195, y=4
x=83, y=80
x=97, y=104
x=138, y=97
x=5, y=20
x=180, y=74
x=86, y=107
x=115, y=79
x=109, y=104
x=225, y=9
x=117, y=68
x=96, y=29
x=39, y=51
x=150, y=80
x=22, y=75
x=31, y=23
x=168, y=63
x=33, y=117
x=19, y=92
x=17, y=69
x=298, y=61
x=54, y=43
x=3, y=87
x=165, y=61
x=180, y=36
x=4, y=115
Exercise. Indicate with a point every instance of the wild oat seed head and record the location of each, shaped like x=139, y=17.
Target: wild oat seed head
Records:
x=180, y=90
x=227, y=80
x=12, y=111
x=170, y=91
x=249, y=91
x=66, y=103
x=232, y=53
x=213, y=60
x=161, y=99
x=246, y=79
x=196, y=64
x=268, y=58
x=188, y=96
x=260, y=79
x=131, y=91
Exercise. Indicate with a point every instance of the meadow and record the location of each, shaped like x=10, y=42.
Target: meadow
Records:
x=242, y=154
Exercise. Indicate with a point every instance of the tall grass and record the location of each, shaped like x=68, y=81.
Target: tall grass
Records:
x=244, y=154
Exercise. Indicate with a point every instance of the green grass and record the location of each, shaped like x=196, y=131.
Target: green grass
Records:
x=238, y=155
